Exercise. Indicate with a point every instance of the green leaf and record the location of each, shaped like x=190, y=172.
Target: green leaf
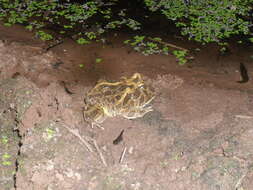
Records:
x=82, y=41
x=251, y=40
x=29, y=27
x=126, y=41
x=44, y=36
x=7, y=24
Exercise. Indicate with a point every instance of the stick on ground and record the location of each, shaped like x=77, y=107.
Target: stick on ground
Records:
x=76, y=133
x=100, y=153
x=168, y=44
x=122, y=155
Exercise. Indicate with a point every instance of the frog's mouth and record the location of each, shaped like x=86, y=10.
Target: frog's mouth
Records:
x=106, y=111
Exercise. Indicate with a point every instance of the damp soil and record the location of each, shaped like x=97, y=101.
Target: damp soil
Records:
x=199, y=136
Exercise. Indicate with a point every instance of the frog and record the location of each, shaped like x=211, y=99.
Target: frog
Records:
x=128, y=97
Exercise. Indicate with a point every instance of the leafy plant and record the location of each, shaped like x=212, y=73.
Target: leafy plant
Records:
x=203, y=21
x=207, y=21
x=147, y=46
x=141, y=45
x=86, y=20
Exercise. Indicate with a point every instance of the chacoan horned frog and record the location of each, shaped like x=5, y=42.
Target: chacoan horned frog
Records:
x=128, y=97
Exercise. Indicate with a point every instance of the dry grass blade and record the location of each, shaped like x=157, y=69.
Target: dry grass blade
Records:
x=76, y=133
x=100, y=153
x=168, y=44
x=122, y=155
x=244, y=116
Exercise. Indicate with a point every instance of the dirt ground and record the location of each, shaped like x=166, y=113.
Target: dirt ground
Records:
x=199, y=136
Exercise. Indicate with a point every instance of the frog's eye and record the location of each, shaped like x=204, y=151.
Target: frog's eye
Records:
x=118, y=97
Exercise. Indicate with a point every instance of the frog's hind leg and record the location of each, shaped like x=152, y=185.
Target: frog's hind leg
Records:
x=137, y=113
x=136, y=79
x=103, y=82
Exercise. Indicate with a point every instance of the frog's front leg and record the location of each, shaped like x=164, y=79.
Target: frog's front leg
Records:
x=97, y=125
x=94, y=115
x=133, y=114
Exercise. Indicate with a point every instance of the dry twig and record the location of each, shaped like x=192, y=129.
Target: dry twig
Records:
x=76, y=133
x=239, y=182
x=244, y=116
x=100, y=153
x=167, y=44
x=122, y=155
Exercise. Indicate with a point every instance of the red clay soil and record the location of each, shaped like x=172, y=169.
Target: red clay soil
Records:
x=199, y=136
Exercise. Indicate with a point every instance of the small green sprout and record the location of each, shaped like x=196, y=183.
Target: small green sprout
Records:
x=6, y=156
x=165, y=50
x=50, y=133
x=99, y=60
x=4, y=139
x=81, y=65
x=6, y=163
x=5, y=159
x=164, y=164
x=223, y=49
x=28, y=92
